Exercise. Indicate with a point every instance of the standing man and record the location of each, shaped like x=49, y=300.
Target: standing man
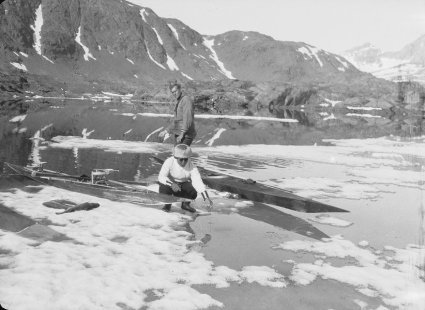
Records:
x=183, y=126
x=180, y=177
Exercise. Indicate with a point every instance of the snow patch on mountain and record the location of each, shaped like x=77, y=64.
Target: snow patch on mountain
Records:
x=38, y=23
x=344, y=63
x=49, y=60
x=150, y=56
x=172, y=64
x=209, y=44
x=87, y=53
x=311, y=52
x=142, y=13
x=186, y=76
x=176, y=35
x=158, y=36
x=19, y=66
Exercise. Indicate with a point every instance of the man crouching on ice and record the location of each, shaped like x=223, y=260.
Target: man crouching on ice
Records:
x=179, y=177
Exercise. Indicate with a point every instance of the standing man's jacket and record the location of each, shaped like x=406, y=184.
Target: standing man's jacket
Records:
x=184, y=117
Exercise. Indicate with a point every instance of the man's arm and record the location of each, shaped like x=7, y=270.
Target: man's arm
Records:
x=165, y=172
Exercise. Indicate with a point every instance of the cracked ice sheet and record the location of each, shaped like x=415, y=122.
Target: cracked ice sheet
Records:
x=366, y=165
x=115, y=254
x=390, y=275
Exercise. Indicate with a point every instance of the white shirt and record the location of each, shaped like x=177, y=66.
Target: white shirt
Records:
x=172, y=172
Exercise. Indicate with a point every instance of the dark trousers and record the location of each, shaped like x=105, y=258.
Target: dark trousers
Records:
x=186, y=140
x=187, y=190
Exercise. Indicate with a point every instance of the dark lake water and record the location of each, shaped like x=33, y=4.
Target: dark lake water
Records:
x=24, y=124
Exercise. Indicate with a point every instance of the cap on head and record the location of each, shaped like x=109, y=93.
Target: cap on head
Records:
x=182, y=151
x=175, y=85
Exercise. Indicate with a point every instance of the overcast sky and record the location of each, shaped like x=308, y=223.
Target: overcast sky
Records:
x=334, y=25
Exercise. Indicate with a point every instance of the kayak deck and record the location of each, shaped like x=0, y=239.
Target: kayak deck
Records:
x=112, y=190
x=255, y=191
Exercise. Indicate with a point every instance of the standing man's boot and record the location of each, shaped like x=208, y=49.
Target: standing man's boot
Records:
x=186, y=206
x=167, y=207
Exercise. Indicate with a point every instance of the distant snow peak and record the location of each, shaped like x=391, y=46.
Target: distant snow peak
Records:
x=209, y=44
x=87, y=53
x=19, y=66
x=38, y=23
x=176, y=35
x=245, y=38
x=312, y=52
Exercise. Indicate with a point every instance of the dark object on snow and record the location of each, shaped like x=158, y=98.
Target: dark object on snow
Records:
x=82, y=206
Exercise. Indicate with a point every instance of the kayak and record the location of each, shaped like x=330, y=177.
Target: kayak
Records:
x=255, y=191
x=99, y=187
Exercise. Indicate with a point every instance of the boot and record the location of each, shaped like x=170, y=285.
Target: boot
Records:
x=166, y=208
x=186, y=206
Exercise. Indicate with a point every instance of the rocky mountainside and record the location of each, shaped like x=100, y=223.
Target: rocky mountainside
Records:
x=68, y=47
x=110, y=39
x=405, y=64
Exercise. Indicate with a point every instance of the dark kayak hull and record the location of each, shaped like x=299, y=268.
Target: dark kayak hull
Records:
x=255, y=191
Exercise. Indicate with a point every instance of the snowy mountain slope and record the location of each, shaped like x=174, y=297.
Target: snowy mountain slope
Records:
x=114, y=40
x=406, y=64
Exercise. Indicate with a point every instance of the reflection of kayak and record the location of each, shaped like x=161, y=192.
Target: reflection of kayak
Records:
x=252, y=190
x=268, y=214
x=109, y=189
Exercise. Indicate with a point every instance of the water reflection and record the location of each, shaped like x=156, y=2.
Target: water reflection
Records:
x=43, y=120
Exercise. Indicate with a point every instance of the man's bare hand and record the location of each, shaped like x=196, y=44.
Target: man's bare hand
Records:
x=175, y=187
x=209, y=204
x=162, y=133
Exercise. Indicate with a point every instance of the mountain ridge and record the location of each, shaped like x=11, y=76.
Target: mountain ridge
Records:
x=406, y=64
x=90, y=45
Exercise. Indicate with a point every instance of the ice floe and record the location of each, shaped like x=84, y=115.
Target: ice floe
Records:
x=18, y=119
x=388, y=275
x=114, y=255
x=212, y=116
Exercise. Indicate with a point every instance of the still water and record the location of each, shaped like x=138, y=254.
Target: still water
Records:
x=370, y=163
